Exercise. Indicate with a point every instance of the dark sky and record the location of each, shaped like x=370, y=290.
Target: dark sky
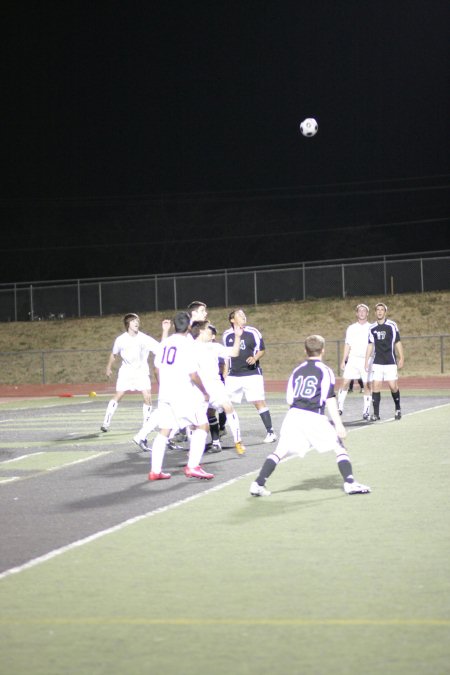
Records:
x=147, y=137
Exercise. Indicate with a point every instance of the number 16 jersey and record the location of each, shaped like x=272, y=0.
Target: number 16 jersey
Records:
x=310, y=385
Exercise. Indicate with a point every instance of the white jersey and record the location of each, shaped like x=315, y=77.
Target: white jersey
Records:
x=176, y=359
x=208, y=355
x=357, y=336
x=134, y=350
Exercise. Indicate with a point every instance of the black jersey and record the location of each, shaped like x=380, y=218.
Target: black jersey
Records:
x=251, y=342
x=384, y=336
x=310, y=385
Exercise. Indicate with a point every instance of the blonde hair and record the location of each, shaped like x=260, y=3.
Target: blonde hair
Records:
x=314, y=345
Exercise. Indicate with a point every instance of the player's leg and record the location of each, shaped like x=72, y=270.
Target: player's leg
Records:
x=233, y=421
x=111, y=409
x=395, y=393
x=167, y=423
x=351, y=486
x=292, y=439
x=214, y=430
x=342, y=394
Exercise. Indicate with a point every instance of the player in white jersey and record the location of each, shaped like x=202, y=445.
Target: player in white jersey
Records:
x=208, y=354
x=182, y=400
x=310, y=392
x=354, y=357
x=133, y=347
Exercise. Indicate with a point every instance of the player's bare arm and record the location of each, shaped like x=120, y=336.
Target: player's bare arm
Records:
x=234, y=350
x=165, y=327
x=256, y=357
x=195, y=378
x=400, y=355
x=109, y=365
x=333, y=411
x=369, y=352
x=345, y=356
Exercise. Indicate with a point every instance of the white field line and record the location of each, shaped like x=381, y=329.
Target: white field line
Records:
x=17, y=459
x=131, y=521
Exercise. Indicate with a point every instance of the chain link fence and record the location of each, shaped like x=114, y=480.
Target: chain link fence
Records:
x=63, y=366
x=384, y=275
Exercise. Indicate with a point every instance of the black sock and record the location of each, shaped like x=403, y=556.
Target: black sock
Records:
x=376, y=398
x=267, y=469
x=396, y=396
x=345, y=468
x=222, y=419
x=214, y=428
x=266, y=418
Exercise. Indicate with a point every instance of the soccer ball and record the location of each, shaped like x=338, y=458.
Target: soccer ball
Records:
x=309, y=127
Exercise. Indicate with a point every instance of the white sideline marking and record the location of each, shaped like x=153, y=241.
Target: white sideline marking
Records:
x=17, y=459
x=131, y=521
x=115, y=528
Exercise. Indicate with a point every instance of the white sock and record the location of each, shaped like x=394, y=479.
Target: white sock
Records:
x=110, y=410
x=233, y=421
x=158, y=452
x=146, y=410
x=367, y=402
x=196, y=447
x=149, y=425
x=341, y=398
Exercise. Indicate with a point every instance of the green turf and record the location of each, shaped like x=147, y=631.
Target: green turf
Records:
x=308, y=580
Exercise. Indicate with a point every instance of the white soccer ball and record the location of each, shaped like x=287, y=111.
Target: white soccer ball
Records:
x=309, y=127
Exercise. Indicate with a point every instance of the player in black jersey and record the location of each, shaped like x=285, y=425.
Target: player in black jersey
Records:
x=387, y=350
x=310, y=392
x=245, y=374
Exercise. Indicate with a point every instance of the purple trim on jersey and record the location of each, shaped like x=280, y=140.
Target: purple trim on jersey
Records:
x=310, y=385
x=251, y=341
x=384, y=336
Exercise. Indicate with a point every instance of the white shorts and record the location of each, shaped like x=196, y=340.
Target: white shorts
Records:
x=181, y=414
x=250, y=385
x=218, y=396
x=355, y=369
x=132, y=379
x=382, y=373
x=302, y=431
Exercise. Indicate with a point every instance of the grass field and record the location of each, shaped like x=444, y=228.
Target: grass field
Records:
x=307, y=580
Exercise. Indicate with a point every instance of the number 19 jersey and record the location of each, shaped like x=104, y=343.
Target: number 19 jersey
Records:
x=310, y=385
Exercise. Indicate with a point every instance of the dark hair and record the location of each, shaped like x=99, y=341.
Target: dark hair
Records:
x=181, y=322
x=195, y=304
x=197, y=327
x=213, y=329
x=129, y=317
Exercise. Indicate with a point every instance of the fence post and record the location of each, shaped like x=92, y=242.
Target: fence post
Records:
x=156, y=292
x=255, y=288
x=43, y=367
x=100, y=303
x=421, y=276
x=442, y=354
x=343, y=280
x=226, y=287
x=79, y=297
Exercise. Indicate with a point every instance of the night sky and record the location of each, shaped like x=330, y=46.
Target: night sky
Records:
x=147, y=137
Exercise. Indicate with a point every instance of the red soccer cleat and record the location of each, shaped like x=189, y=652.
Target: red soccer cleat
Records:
x=159, y=476
x=197, y=472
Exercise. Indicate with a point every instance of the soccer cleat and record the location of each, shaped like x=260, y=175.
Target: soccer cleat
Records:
x=197, y=472
x=271, y=437
x=173, y=446
x=366, y=416
x=142, y=443
x=374, y=418
x=356, y=488
x=257, y=490
x=240, y=449
x=159, y=476
x=398, y=415
x=215, y=447
x=103, y=428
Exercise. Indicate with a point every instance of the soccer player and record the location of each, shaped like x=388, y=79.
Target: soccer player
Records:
x=387, y=351
x=133, y=347
x=208, y=354
x=354, y=358
x=182, y=400
x=245, y=375
x=310, y=391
